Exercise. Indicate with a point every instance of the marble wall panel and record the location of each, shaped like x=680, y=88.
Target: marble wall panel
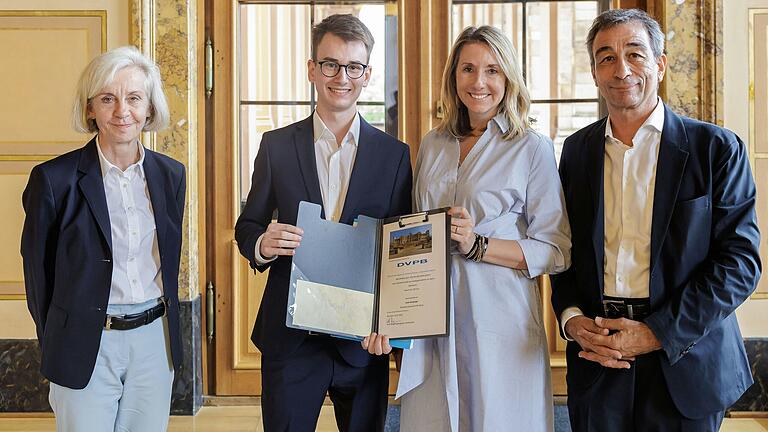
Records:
x=166, y=31
x=756, y=397
x=188, y=381
x=694, y=80
x=23, y=389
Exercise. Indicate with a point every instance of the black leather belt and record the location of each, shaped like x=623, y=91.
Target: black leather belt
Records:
x=132, y=321
x=633, y=308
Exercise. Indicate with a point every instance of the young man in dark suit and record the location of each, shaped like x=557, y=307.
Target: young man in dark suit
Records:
x=336, y=159
x=665, y=248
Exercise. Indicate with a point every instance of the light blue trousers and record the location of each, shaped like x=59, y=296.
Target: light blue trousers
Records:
x=130, y=389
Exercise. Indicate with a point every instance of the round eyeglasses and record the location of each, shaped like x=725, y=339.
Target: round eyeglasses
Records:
x=331, y=69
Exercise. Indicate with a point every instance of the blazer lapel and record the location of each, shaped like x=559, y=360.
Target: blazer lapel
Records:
x=595, y=161
x=304, y=142
x=365, y=166
x=91, y=185
x=157, y=197
x=669, y=172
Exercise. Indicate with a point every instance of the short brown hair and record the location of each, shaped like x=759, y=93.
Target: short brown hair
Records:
x=347, y=27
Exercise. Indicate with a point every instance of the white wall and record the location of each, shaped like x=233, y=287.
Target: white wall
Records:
x=752, y=315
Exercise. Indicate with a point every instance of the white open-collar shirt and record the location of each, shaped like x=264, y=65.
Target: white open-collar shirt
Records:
x=136, y=274
x=630, y=186
x=334, y=164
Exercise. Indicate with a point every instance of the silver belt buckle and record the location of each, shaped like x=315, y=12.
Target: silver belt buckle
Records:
x=606, y=303
x=164, y=301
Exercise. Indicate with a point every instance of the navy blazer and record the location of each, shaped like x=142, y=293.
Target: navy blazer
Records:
x=66, y=245
x=704, y=257
x=285, y=172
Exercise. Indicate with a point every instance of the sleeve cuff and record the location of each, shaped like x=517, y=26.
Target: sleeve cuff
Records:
x=260, y=260
x=567, y=314
x=541, y=257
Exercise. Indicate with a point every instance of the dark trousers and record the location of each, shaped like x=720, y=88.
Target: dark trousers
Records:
x=633, y=400
x=293, y=389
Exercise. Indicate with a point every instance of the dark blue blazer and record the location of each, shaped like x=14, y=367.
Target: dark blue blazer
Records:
x=285, y=172
x=66, y=245
x=704, y=257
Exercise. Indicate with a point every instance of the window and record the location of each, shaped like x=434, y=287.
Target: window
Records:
x=549, y=37
x=274, y=44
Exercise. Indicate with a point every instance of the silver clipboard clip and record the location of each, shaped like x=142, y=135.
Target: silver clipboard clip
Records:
x=413, y=219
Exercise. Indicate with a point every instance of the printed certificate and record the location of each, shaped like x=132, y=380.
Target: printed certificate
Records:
x=413, y=278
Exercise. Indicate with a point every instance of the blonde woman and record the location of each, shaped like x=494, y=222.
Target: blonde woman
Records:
x=509, y=226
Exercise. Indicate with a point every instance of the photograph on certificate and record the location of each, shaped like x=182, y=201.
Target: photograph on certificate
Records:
x=410, y=241
x=413, y=278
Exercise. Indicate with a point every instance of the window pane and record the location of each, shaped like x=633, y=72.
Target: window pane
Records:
x=559, y=120
x=508, y=17
x=273, y=63
x=254, y=121
x=373, y=114
x=558, y=62
x=274, y=46
x=373, y=18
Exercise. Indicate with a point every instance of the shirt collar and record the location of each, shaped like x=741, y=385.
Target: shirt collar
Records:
x=501, y=121
x=106, y=165
x=654, y=122
x=320, y=129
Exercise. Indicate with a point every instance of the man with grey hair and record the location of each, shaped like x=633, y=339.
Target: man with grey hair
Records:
x=665, y=248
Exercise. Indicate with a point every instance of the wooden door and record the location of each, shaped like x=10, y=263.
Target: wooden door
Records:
x=259, y=76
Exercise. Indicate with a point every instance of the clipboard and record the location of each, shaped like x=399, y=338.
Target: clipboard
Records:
x=390, y=276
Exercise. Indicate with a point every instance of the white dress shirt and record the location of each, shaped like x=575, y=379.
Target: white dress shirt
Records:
x=136, y=274
x=334, y=169
x=630, y=180
x=334, y=164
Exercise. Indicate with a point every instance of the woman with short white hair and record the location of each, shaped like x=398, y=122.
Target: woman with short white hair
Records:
x=101, y=244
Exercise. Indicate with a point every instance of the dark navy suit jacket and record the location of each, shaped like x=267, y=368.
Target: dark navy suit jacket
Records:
x=285, y=172
x=66, y=245
x=704, y=257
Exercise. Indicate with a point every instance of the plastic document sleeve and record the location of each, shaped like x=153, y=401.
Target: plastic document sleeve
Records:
x=390, y=276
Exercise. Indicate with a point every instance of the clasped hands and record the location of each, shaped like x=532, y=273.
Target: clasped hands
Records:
x=612, y=343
